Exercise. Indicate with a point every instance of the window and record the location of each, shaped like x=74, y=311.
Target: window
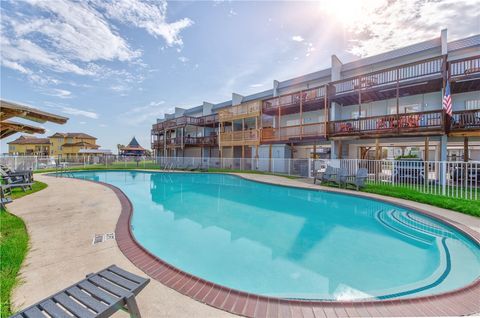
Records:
x=405, y=109
x=293, y=122
x=472, y=104
x=356, y=114
x=12, y=147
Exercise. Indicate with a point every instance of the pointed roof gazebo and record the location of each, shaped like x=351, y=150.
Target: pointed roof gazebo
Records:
x=132, y=149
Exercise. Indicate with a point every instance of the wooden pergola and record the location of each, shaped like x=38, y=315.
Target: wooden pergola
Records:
x=9, y=110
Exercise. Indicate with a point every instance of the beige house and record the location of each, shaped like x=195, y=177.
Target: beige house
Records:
x=59, y=144
x=69, y=144
x=29, y=146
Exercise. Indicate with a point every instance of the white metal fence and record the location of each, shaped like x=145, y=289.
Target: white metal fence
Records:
x=452, y=179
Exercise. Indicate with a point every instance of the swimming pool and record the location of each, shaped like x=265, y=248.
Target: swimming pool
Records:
x=289, y=242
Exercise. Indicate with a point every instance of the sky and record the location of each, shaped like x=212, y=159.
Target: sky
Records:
x=113, y=67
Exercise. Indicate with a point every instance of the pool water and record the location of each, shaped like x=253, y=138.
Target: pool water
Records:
x=292, y=243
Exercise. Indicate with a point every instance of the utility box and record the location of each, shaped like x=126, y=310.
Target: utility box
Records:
x=278, y=164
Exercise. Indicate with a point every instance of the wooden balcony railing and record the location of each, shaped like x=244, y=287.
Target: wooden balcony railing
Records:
x=190, y=141
x=186, y=120
x=389, y=124
x=245, y=110
x=293, y=132
x=241, y=137
x=201, y=141
x=465, y=120
x=294, y=98
x=389, y=76
x=465, y=67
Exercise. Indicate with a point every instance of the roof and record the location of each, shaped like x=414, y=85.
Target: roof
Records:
x=8, y=128
x=72, y=135
x=80, y=144
x=471, y=41
x=30, y=140
x=11, y=109
x=390, y=55
x=133, y=145
x=95, y=151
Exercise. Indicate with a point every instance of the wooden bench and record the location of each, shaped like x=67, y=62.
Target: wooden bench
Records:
x=99, y=295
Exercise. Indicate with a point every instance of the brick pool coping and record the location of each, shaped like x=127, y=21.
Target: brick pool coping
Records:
x=459, y=302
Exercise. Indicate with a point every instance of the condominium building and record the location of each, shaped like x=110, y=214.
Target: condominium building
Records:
x=383, y=106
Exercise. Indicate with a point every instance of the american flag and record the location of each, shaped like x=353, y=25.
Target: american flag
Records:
x=447, y=100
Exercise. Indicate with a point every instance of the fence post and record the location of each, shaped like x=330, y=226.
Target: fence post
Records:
x=15, y=162
x=84, y=163
x=36, y=163
x=444, y=177
x=310, y=167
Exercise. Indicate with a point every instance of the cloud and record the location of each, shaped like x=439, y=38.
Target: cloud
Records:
x=147, y=114
x=391, y=24
x=297, y=38
x=78, y=112
x=82, y=122
x=57, y=92
x=256, y=85
x=150, y=16
x=183, y=59
x=42, y=39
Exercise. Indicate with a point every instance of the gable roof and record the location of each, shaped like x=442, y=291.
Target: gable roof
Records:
x=8, y=128
x=72, y=135
x=29, y=140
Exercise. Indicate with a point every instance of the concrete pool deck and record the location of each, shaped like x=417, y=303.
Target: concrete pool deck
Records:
x=63, y=219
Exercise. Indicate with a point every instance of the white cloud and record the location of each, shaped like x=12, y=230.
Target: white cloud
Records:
x=183, y=59
x=387, y=24
x=150, y=16
x=145, y=114
x=82, y=122
x=78, y=112
x=256, y=85
x=232, y=13
x=57, y=92
x=297, y=38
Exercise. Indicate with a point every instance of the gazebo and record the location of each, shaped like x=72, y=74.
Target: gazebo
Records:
x=132, y=149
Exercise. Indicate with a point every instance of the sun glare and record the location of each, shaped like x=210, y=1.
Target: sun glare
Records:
x=349, y=12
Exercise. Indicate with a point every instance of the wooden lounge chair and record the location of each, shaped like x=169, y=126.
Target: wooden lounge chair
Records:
x=18, y=183
x=24, y=175
x=359, y=179
x=99, y=295
x=4, y=200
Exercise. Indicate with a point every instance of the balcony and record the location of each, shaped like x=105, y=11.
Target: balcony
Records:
x=293, y=133
x=208, y=120
x=206, y=141
x=465, y=123
x=240, y=138
x=245, y=110
x=465, y=74
x=311, y=99
x=421, y=123
x=414, y=78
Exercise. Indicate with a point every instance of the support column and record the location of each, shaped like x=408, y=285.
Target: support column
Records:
x=465, y=149
x=377, y=149
x=340, y=150
x=270, y=157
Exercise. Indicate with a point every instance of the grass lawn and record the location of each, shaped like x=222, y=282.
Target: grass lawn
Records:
x=471, y=207
x=13, y=248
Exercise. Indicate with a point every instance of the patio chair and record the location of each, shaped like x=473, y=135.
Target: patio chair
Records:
x=324, y=176
x=24, y=175
x=99, y=295
x=359, y=179
x=3, y=197
x=18, y=183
